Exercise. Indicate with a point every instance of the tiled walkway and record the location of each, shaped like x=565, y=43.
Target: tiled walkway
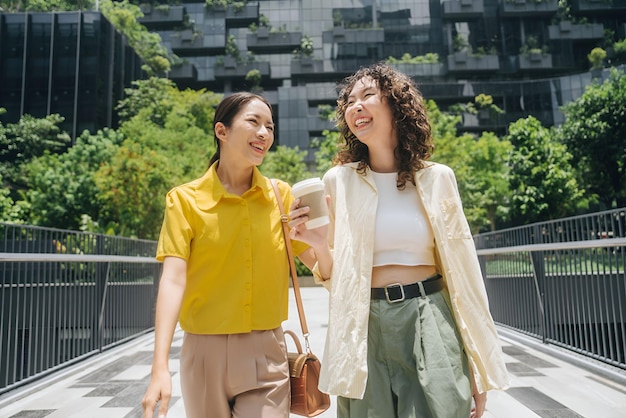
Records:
x=546, y=382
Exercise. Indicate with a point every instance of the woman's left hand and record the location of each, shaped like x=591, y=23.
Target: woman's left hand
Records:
x=480, y=401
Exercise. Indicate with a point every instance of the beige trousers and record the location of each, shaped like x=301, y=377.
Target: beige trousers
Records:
x=235, y=375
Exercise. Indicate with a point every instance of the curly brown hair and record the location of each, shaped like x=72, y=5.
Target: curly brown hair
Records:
x=415, y=144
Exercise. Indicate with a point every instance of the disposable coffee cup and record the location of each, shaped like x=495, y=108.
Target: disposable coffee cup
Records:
x=312, y=194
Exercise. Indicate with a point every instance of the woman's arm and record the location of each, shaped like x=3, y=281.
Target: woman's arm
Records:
x=319, y=251
x=480, y=400
x=169, y=300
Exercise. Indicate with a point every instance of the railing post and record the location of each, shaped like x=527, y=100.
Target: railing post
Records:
x=539, y=277
x=102, y=276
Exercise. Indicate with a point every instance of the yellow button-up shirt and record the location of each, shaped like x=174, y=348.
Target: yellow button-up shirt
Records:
x=351, y=237
x=237, y=266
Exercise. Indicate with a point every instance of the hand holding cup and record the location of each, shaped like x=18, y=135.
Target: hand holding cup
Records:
x=311, y=193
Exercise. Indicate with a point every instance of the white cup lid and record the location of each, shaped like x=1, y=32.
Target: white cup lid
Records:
x=307, y=186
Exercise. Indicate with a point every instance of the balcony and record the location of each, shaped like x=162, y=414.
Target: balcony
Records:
x=566, y=30
x=232, y=69
x=184, y=72
x=534, y=61
x=463, y=62
x=353, y=36
x=598, y=6
x=190, y=45
x=517, y=8
x=238, y=16
x=306, y=66
x=161, y=17
x=421, y=69
x=339, y=32
x=483, y=120
x=265, y=42
x=462, y=10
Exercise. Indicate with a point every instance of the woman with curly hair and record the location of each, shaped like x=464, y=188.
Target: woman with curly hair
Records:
x=410, y=333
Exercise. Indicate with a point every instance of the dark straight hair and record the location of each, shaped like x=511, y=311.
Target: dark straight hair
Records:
x=226, y=111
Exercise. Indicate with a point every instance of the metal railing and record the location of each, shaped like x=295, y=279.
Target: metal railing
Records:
x=66, y=295
x=562, y=282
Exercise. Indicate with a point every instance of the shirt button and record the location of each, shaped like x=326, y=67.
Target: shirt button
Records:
x=246, y=307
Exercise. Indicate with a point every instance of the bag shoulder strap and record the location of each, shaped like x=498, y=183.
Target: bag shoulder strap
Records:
x=292, y=265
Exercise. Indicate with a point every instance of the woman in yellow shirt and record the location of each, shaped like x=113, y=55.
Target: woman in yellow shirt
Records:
x=225, y=277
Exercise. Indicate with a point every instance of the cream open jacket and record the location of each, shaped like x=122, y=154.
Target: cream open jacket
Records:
x=351, y=237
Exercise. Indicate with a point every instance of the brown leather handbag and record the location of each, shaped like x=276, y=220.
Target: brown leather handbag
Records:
x=304, y=370
x=304, y=367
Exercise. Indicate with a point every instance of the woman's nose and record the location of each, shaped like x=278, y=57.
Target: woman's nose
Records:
x=263, y=131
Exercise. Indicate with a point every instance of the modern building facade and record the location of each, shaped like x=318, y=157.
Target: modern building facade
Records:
x=530, y=56
x=71, y=63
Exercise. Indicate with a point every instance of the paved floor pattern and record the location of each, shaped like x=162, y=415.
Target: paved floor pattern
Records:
x=546, y=382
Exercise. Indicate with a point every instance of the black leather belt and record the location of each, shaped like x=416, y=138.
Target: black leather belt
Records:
x=397, y=293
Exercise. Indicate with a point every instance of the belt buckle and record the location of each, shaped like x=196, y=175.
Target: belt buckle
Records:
x=394, y=285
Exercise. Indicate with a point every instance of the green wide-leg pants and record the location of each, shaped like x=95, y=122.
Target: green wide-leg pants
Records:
x=417, y=367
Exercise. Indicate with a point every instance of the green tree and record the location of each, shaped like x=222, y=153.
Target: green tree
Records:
x=62, y=188
x=326, y=149
x=8, y=212
x=123, y=15
x=327, y=146
x=132, y=189
x=45, y=5
x=480, y=167
x=114, y=181
x=232, y=49
x=306, y=47
x=543, y=181
x=450, y=148
x=153, y=94
x=187, y=147
x=177, y=147
x=254, y=78
x=487, y=193
x=25, y=140
x=594, y=131
x=596, y=57
x=286, y=164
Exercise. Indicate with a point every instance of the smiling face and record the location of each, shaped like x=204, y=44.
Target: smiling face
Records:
x=369, y=116
x=250, y=135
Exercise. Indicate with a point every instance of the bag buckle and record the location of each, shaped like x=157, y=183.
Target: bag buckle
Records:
x=392, y=299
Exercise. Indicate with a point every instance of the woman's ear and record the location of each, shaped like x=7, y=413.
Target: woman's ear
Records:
x=220, y=131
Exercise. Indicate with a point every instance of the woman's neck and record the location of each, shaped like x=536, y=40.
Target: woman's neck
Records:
x=235, y=180
x=383, y=162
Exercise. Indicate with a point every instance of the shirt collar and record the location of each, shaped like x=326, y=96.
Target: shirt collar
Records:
x=209, y=188
x=369, y=179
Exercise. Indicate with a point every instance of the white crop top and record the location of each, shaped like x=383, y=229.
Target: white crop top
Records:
x=403, y=235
